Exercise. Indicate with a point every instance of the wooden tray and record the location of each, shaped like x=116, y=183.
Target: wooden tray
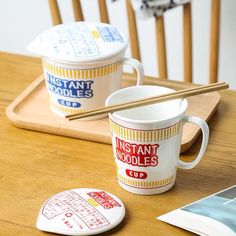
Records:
x=30, y=110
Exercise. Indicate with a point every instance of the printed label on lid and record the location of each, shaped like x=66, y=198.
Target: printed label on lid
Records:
x=79, y=41
x=80, y=212
x=104, y=199
x=72, y=40
x=110, y=34
x=70, y=204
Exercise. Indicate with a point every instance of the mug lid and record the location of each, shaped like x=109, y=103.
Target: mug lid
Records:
x=81, y=211
x=79, y=42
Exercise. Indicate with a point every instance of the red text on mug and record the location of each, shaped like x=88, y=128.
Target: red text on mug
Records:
x=142, y=155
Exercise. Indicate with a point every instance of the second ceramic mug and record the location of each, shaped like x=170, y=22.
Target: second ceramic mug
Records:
x=75, y=88
x=83, y=64
x=146, y=140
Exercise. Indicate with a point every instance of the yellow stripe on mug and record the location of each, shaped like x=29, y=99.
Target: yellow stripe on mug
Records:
x=145, y=135
x=67, y=110
x=81, y=74
x=145, y=184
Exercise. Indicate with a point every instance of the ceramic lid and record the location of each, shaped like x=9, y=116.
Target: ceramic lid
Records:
x=79, y=42
x=81, y=211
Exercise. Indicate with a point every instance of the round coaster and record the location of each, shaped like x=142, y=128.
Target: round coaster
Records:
x=82, y=211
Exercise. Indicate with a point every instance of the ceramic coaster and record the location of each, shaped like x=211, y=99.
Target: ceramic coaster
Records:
x=80, y=212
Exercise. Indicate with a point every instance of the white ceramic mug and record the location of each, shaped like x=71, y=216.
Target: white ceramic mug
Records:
x=82, y=64
x=146, y=140
x=78, y=87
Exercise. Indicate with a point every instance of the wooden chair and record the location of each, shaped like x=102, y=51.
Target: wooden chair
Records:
x=160, y=35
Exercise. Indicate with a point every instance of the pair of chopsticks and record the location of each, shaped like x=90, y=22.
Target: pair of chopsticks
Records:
x=151, y=100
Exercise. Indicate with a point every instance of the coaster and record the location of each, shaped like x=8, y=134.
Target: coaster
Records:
x=82, y=211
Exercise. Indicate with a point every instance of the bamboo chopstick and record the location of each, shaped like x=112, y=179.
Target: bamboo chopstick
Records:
x=151, y=100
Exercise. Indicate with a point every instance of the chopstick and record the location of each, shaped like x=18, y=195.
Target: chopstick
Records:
x=151, y=100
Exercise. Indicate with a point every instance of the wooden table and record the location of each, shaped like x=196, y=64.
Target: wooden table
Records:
x=34, y=166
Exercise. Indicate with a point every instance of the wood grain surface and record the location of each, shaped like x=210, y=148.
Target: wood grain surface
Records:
x=34, y=165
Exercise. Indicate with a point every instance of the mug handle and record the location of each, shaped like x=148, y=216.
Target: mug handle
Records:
x=205, y=135
x=137, y=66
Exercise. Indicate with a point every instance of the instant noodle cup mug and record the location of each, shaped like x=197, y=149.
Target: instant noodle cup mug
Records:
x=82, y=64
x=146, y=140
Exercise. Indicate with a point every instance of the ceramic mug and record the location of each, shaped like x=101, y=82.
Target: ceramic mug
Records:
x=146, y=140
x=74, y=88
x=82, y=64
